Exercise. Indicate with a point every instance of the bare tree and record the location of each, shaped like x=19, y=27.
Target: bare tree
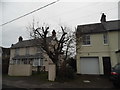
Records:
x=79, y=38
x=61, y=47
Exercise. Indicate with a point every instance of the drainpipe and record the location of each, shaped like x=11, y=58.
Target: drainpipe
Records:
x=104, y=23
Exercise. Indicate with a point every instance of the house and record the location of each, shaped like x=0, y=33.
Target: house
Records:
x=5, y=59
x=27, y=54
x=98, y=47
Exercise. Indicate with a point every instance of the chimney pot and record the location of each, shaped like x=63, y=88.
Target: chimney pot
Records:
x=20, y=39
x=53, y=33
x=103, y=18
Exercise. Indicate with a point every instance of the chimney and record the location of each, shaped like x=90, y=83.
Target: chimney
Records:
x=12, y=45
x=53, y=33
x=20, y=39
x=103, y=18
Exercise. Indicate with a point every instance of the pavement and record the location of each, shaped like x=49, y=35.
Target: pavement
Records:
x=81, y=81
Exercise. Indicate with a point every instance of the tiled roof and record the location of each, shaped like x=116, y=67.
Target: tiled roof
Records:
x=99, y=27
x=29, y=43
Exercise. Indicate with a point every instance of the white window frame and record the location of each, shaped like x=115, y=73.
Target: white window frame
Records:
x=27, y=50
x=39, y=49
x=38, y=62
x=105, y=39
x=11, y=62
x=86, y=40
x=16, y=51
x=35, y=62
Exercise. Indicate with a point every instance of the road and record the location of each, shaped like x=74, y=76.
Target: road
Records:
x=82, y=81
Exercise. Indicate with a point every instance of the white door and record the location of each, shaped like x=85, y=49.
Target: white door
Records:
x=89, y=65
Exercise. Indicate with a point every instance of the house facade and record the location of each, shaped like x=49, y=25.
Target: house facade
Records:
x=98, y=47
x=29, y=54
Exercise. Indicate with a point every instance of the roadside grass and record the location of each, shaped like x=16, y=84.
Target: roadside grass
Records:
x=43, y=76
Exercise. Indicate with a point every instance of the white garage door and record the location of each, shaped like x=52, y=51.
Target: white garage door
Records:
x=89, y=66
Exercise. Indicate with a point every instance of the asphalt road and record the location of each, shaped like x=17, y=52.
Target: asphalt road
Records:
x=82, y=81
x=6, y=87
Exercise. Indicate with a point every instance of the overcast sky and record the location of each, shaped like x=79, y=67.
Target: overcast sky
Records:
x=70, y=13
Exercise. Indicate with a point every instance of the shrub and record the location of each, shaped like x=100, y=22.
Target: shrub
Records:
x=66, y=72
x=69, y=73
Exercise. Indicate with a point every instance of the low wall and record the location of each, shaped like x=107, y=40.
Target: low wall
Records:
x=20, y=70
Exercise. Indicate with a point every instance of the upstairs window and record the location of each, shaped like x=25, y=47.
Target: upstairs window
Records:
x=86, y=40
x=27, y=50
x=16, y=51
x=105, y=38
x=39, y=49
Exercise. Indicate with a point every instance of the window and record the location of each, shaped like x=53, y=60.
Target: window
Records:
x=11, y=61
x=25, y=61
x=39, y=49
x=17, y=61
x=14, y=61
x=16, y=51
x=38, y=62
x=27, y=51
x=86, y=40
x=35, y=62
x=105, y=37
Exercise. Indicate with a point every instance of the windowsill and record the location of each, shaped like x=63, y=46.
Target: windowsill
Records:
x=39, y=52
x=87, y=45
x=105, y=44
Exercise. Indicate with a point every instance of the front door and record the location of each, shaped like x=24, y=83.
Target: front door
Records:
x=107, y=65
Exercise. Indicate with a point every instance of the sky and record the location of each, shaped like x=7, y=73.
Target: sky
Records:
x=64, y=12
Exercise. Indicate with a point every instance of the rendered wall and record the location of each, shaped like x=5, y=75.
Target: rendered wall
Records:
x=52, y=72
x=98, y=49
x=119, y=43
x=22, y=51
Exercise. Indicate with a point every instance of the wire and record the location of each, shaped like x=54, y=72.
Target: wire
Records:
x=29, y=13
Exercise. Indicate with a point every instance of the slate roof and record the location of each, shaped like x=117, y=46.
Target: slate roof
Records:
x=29, y=43
x=28, y=56
x=99, y=27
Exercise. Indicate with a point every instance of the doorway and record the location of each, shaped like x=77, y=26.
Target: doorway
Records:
x=107, y=66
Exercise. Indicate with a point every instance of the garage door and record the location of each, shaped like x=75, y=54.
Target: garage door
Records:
x=89, y=66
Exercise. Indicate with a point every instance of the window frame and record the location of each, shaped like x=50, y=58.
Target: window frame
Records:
x=16, y=51
x=37, y=62
x=105, y=39
x=39, y=49
x=86, y=40
x=27, y=50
